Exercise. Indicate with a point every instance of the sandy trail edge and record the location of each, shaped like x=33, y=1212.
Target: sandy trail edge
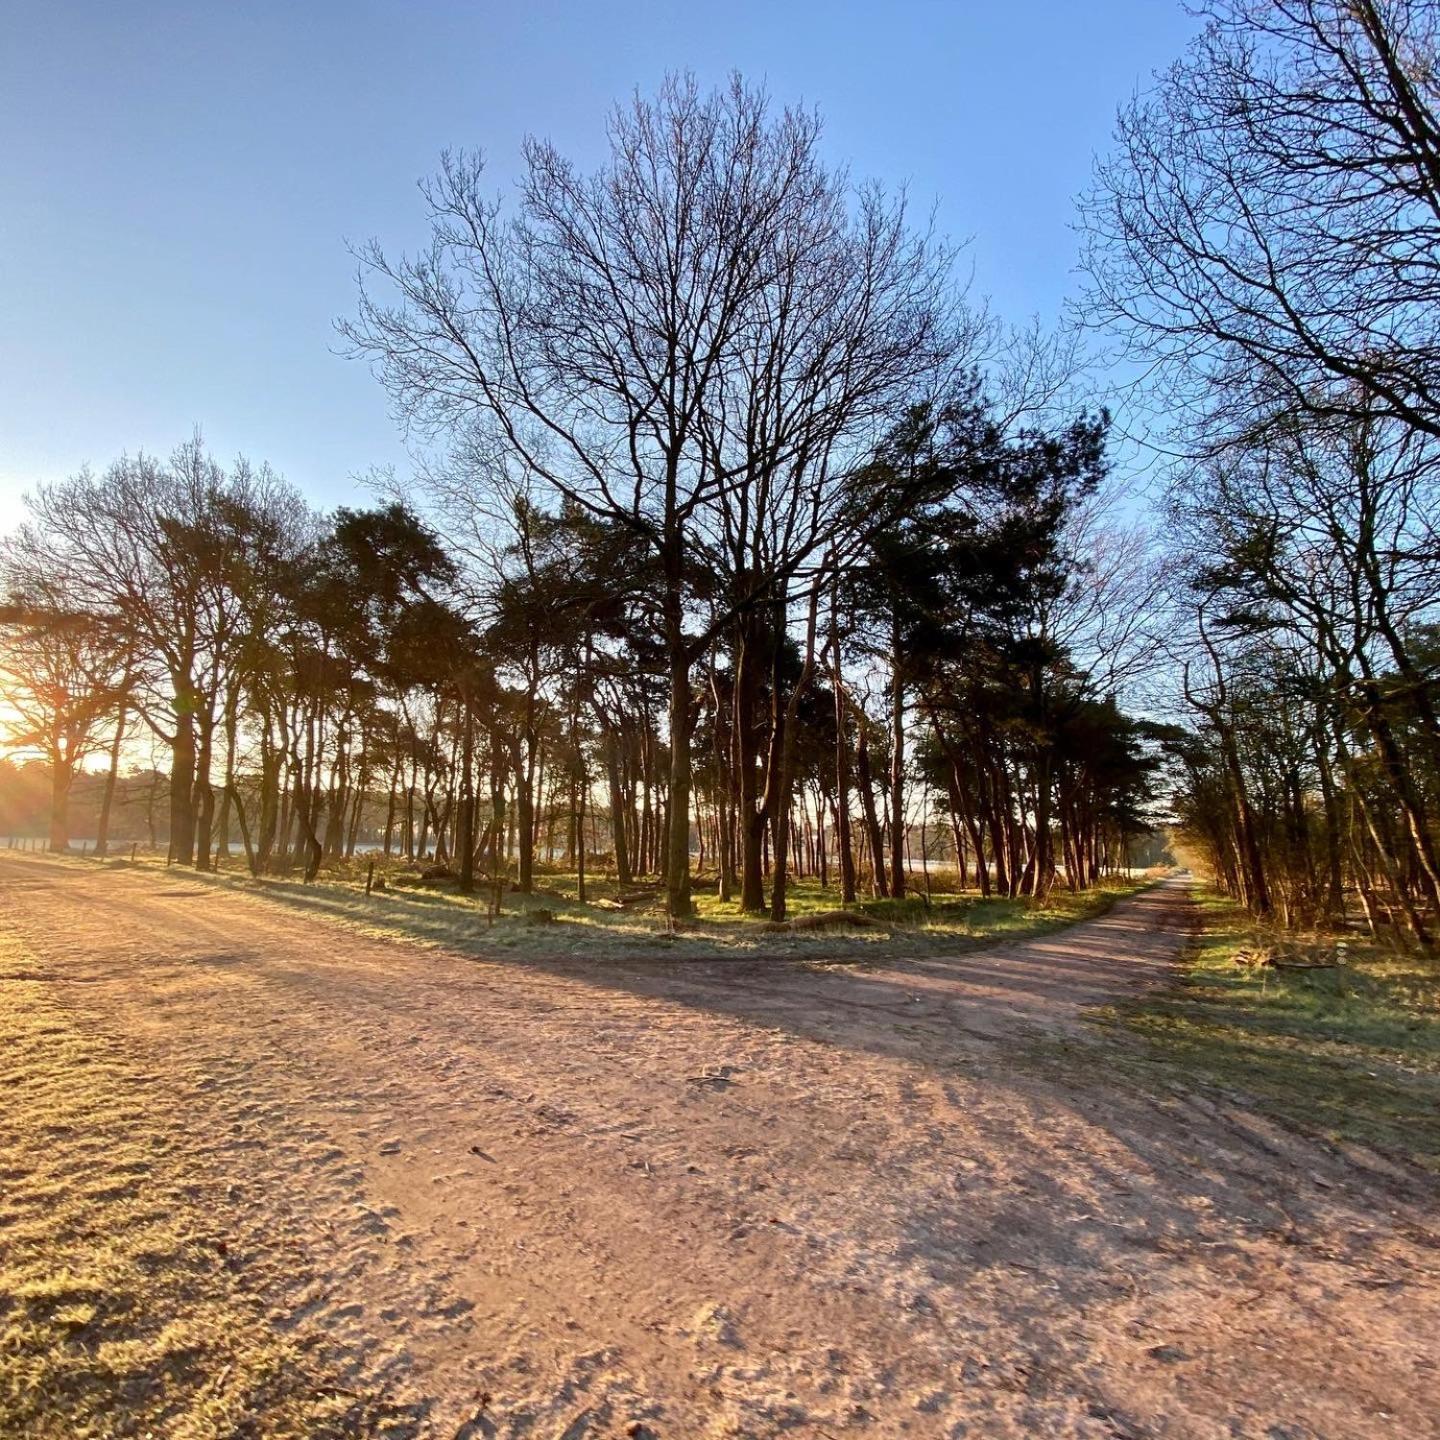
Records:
x=742, y=1200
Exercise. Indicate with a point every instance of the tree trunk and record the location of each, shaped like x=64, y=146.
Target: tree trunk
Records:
x=62, y=775
x=112, y=775
x=465, y=825
x=617, y=809
x=879, y=881
x=204, y=792
x=786, y=758
x=232, y=725
x=182, y=780
x=897, y=768
x=753, y=815
x=844, y=855
x=678, y=901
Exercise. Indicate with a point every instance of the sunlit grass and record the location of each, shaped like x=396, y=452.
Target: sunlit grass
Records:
x=1352, y=1052
x=437, y=914
x=719, y=930
x=118, y=1314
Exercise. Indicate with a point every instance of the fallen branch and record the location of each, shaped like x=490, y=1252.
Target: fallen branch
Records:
x=823, y=920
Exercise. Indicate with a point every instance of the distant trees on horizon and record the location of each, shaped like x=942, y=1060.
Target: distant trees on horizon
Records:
x=746, y=541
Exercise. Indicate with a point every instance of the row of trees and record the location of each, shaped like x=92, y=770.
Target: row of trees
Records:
x=1265, y=239
x=753, y=530
x=214, y=609
x=757, y=534
x=317, y=682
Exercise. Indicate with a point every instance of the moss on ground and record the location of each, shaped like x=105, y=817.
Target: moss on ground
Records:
x=117, y=1316
x=1350, y=1052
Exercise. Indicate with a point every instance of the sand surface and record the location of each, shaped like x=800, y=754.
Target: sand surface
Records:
x=703, y=1199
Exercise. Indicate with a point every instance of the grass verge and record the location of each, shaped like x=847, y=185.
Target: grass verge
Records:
x=1350, y=1052
x=440, y=916
x=118, y=1315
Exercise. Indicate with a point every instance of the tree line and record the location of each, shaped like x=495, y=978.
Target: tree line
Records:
x=318, y=680
x=745, y=531
x=1264, y=242
x=744, y=540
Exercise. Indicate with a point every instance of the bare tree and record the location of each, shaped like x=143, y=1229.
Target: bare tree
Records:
x=606, y=335
x=1265, y=235
x=167, y=548
x=63, y=669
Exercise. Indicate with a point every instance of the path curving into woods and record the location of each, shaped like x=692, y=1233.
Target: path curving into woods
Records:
x=696, y=1199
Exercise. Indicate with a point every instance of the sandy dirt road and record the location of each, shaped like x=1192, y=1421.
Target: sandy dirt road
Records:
x=729, y=1199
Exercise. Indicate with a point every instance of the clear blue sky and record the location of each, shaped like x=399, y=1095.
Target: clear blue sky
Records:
x=178, y=181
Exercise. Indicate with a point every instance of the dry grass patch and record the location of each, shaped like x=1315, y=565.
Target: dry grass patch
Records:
x=119, y=1313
